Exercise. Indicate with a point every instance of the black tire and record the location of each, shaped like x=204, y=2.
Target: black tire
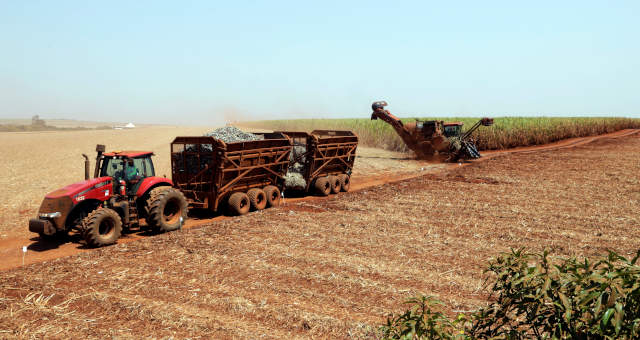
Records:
x=166, y=206
x=322, y=186
x=273, y=195
x=102, y=227
x=258, y=198
x=335, y=184
x=345, y=182
x=239, y=203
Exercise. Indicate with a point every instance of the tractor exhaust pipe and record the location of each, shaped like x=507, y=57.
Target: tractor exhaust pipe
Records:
x=87, y=166
x=100, y=150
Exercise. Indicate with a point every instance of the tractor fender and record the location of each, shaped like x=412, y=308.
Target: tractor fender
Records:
x=150, y=183
x=79, y=210
x=67, y=202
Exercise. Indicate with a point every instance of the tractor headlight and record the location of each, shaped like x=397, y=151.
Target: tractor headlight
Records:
x=50, y=215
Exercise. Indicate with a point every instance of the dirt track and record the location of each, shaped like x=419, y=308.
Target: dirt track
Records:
x=333, y=268
x=375, y=171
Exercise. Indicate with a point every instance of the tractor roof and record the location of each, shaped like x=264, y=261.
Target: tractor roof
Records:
x=128, y=154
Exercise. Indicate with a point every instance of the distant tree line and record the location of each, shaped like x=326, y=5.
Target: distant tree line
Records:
x=38, y=124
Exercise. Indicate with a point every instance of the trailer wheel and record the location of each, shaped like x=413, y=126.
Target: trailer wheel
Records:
x=345, y=182
x=102, y=227
x=322, y=186
x=239, y=203
x=273, y=195
x=166, y=206
x=258, y=198
x=335, y=184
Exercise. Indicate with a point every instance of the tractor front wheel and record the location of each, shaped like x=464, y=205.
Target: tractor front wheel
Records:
x=167, y=209
x=102, y=227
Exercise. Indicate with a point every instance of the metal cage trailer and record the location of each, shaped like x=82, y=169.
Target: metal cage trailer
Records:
x=328, y=157
x=238, y=176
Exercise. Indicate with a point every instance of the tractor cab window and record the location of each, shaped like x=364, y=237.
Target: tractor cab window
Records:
x=452, y=130
x=144, y=167
x=112, y=167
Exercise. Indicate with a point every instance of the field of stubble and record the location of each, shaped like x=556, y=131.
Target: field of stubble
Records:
x=334, y=268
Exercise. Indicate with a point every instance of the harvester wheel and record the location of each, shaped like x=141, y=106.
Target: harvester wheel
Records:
x=102, y=227
x=335, y=184
x=345, y=182
x=273, y=195
x=239, y=203
x=322, y=186
x=258, y=198
x=166, y=206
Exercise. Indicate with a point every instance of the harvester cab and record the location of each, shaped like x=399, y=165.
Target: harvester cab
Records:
x=453, y=129
x=123, y=189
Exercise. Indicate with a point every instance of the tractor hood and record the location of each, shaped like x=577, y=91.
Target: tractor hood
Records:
x=78, y=189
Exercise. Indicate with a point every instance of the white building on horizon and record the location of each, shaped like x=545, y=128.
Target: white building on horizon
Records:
x=128, y=126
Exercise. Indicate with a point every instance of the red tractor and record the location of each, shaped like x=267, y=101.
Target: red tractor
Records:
x=124, y=190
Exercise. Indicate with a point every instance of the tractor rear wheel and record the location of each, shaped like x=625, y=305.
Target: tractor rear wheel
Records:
x=102, y=227
x=239, y=203
x=322, y=186
x=345, y=182
x=335, y=184
x=258, y=198
x=167, y=209
x=273, y=195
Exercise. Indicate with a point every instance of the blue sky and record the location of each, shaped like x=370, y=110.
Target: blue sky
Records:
x=207, y=61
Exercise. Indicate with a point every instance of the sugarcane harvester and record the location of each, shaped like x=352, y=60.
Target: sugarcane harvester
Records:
x=431, y=138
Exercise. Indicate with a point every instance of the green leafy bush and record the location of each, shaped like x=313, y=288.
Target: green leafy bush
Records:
x=424, y=321
x=574, y=299
x=537, y=297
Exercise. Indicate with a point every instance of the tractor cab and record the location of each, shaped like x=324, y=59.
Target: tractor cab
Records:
x=127, y=168
x=453, y=129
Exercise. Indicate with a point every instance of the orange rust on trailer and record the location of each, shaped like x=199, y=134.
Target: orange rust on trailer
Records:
x=208, y=170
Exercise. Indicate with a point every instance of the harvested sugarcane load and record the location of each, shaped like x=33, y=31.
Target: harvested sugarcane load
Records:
x=231, y=134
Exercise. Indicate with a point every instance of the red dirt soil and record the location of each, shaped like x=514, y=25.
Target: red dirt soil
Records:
x=335, y=267
x=38, y=251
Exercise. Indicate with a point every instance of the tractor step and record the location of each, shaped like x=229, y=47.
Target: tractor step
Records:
x=133, y=212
